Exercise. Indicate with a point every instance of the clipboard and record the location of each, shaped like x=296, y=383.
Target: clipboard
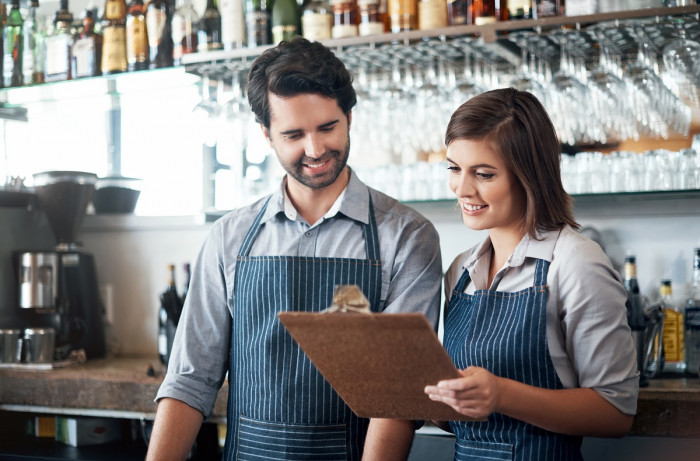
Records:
x=379, y=364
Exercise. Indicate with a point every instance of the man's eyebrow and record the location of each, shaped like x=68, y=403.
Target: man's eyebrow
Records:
x=298, y=130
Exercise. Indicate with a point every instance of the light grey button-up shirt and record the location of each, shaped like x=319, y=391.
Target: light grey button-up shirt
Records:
x=588, y=336
x=411, y=275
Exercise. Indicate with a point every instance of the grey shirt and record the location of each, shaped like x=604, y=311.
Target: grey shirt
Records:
x=411, y=275
x=588, y=336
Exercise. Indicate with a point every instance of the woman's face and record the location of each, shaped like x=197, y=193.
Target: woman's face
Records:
x=489, y=195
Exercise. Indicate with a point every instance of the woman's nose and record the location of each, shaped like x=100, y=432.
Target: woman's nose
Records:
x=462, y=186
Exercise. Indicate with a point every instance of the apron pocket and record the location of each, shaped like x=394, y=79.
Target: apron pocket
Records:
x=271, y=440
x=473, y=450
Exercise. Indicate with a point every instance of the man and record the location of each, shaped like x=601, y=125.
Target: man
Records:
x=288, y=251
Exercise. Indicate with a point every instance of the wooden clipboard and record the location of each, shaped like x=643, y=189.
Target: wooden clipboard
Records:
x=379, y=364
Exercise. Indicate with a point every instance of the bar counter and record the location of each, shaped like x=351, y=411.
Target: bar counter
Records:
x=125, y=387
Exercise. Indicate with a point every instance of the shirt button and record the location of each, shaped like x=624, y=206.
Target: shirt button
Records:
x=308, y=234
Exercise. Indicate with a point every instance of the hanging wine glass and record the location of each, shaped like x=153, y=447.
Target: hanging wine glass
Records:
x=206, y=112
x=681, y=58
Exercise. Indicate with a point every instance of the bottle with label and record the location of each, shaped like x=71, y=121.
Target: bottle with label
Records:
x=257, y=23
x=285, y=20
x=34, y=35
x=547, y=8
x=674, y=348
x=458, y=12
x=232, y=24
x=635, y=308
x=519, y=9
x=87, y=49
x=432, y=14
x=209, y=38
x=114, y=37
x=59, y=46
x=159, y=16
x=403, y=15
x=692, y=321
x=344, y=18
x=137, y=52
x=185, y=25
x=372, y=20
x=13, y=44
x=316, y=20
x=485, y=12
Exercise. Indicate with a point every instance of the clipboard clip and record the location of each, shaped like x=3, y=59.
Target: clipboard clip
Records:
x=348, y=298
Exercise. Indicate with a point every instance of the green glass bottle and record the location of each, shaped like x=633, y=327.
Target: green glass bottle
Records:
x=13, y=45
x=285, y=20
x=257, y=22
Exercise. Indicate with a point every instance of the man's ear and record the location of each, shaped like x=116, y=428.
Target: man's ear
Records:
x=349, y=119
x=266, y=133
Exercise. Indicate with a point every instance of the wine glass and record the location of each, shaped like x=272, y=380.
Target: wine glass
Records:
x=681, y=58
x=206, y=112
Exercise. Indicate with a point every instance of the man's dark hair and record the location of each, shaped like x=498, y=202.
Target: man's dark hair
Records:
x=296, y=67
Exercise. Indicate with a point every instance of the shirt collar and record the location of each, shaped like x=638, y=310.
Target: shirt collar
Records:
x=527, y=248
x=353, y=202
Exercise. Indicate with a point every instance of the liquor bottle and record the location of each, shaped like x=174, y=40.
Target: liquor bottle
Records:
x=635, y=308
x=232, y=24
x=674, y=349
x=458, y=12
x=87, y=49
x=188, y=277
x=692, y=320
x=13, y=44
x=137, y=52
x=485, y=12
x=285, y=20
x=432, y=14
x=209, y=37
x=316, y=20
x=59, y=46
x=257, y=22
x=344, y=18
x=159, y=16
x=403, y=15
x=114, y=37
x=519, y=9
x=372, y=20
x=547, y=8
x=34, y=46
x=168, y=303
x=185, y=28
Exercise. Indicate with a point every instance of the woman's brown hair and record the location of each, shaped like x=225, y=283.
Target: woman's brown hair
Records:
x=517, y=127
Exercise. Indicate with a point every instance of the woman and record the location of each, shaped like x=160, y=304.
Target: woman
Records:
x=535, y=314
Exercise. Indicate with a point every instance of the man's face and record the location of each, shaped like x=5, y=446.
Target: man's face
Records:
x=310, y=135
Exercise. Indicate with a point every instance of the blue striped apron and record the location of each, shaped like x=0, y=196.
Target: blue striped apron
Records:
x=505, y=333
x=279, y=405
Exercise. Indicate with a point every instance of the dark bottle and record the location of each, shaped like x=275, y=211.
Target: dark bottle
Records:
x=188, y=276
x=114, y=37
x=59, y=46
x=257, y=23
x=185, y=26
x=87, y=49
x=34, y=45
x=13, y=44
x=169, y=306
x=635, y=310
x=285, y=20
x=137, y=52
x=692, y=321
x=209, y=38
x=159, y=17
x=458, y=12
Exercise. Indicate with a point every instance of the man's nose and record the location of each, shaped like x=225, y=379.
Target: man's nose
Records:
x=313, y=147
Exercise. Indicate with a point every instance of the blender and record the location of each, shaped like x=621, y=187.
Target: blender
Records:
x=58, y=287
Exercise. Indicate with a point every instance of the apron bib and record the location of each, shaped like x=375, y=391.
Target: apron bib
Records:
x=279, y=405
x=505, y=333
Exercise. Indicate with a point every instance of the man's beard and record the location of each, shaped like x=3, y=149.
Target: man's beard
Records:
x=339, y=158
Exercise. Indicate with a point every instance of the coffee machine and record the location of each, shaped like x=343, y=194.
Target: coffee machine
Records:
x=58, y=286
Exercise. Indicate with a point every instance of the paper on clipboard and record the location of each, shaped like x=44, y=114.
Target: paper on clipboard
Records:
x=379, y=364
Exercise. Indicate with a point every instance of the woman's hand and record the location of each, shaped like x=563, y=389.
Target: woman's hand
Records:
x=476, y=394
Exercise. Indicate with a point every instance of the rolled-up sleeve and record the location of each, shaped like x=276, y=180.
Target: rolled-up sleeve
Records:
x=198, y=365
x=593, y=319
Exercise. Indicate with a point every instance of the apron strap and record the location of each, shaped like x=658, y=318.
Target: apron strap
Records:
x=253, y=231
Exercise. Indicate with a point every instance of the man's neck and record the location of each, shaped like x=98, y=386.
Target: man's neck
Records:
x=312, y=204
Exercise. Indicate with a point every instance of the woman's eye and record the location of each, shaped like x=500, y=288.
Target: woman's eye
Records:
x=453, y=169
x=485, y=175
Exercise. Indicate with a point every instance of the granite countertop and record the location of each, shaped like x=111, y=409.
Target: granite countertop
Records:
x=125, y=387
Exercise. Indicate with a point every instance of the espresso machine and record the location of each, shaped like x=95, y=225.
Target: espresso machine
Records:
x=58, y=285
